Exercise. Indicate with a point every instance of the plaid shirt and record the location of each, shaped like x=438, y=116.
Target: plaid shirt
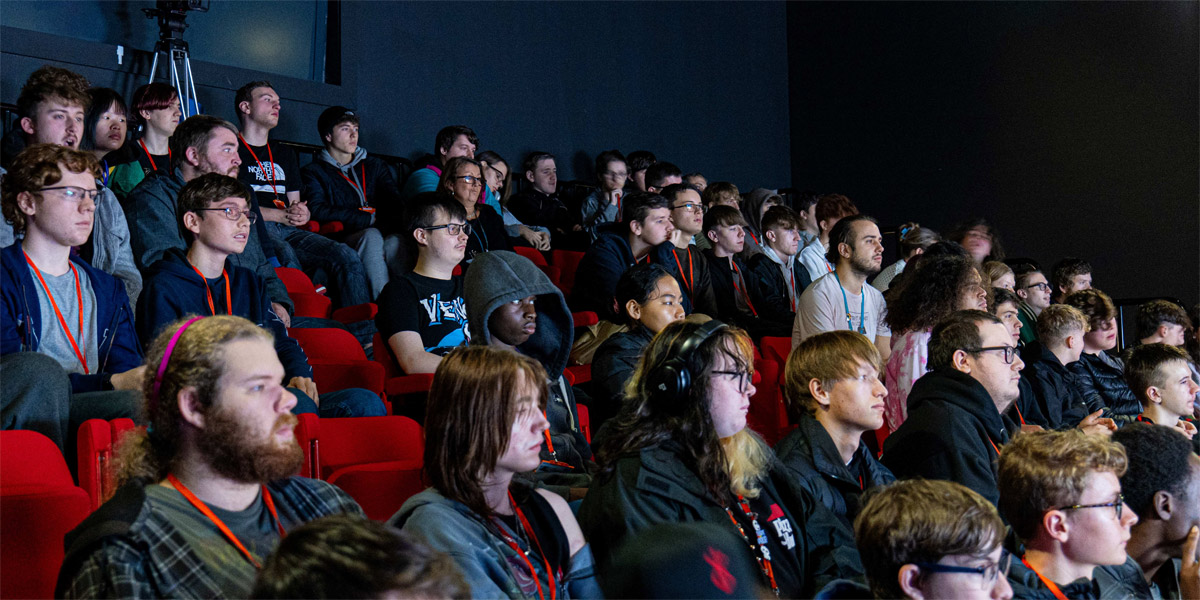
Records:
x=152, y=559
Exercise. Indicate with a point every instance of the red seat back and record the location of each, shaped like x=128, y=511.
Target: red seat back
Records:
x=95, y=451
x=39, y=504
x=777, y=349
x=767, y=414
x=328, y=343
x=533, y=254
x=295, y=280
x=568, y=262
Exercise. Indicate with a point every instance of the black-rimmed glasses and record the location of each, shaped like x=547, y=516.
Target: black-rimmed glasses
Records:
x=1118, y=504
x=452, y=228
x=1010, y=352
x=1043, y=286
x=73, y=193
x=234, y=214
x=743, y=378
x=991, y=572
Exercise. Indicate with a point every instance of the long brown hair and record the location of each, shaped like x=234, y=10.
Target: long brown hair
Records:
x=469, y=416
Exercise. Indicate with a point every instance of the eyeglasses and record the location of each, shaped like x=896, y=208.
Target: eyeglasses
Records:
x=1010, y=352
x=990, y=573
x=1043, y=286
x=743, y=378
x=1118, y=504
x=234, y=214
x=470, y=180
x=452, y=228
x=73, y=193
x=690, y=207
x=616, y=174
x=498, y=172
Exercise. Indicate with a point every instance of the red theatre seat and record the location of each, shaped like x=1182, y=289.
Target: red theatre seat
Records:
x=98, y=441
x=777, y=349
x=312, y=303
x=396, y=383
x=533, y=254
x=767, y=415
x=568, y=262
x=338, y=361
x=39, y=504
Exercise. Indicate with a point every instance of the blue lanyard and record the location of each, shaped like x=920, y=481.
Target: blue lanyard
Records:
x=480, y=234
x=104, y=173
x=862, y=307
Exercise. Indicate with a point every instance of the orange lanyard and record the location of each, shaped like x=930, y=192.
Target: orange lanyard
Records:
x=994, y=446
x=79, y=353
x=362, y=189
x=691, y=276
x=737, y=276
x=512, y=543
x=550, y=446
x=1053, y=587
x=796, y=300
x=754, y=237
x=1019, y=415
x=206, y=511
x=150, y=157
x=228, y=299
x=764, y=563
x=261, y=170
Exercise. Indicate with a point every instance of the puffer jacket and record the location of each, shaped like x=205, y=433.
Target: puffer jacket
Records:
x=1104, y=375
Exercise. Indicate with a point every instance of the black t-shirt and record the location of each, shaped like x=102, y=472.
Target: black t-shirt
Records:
x=149, y=162
x=271, y=171
x=433, y=308
x=487, y=233
x=777, y=532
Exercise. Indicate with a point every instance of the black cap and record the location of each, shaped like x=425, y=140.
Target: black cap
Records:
x=332, y=117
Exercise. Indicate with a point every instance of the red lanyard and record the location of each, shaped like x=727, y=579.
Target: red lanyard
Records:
x=228, y=299
x=994, y=446
x=550, y=446
x=79, y=353
x=754, y=237
x=1020, y=416
x=691, y=276
x=150, y=157
x=620, y=197
x=1053, y=587
x=261, y=170
x=362, y=189
x=1144, y=419
x=796, y=301
x=512, y=543
x=737, y=276
x=206, y=511
x=764, y=563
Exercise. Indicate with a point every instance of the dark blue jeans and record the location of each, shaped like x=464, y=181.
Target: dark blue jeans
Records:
x=352, y=402
x=310, y=251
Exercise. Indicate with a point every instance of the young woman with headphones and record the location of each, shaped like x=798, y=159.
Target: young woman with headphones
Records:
x=679, y=451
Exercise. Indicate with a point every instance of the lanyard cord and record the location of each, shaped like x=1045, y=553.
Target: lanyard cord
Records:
x=737, y=276
x=104, y=172
x=261, y=170
x=1053, y=587
x=512, y=543
x=862, y=307
x=228, y=298
x=228, y=533
x=79, y=353
x=760, y=551
x=362, y=189
x=993, y=445
x=150, y=157
x=691, y=277
x=478, y=233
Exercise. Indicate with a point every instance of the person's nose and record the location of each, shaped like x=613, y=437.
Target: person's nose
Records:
x=1018, y=364
x=1002, y=590
x=286, y=401
x=880, y=389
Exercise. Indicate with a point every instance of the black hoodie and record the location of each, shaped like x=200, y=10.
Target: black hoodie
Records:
x=1056, y=388
x=953, y=432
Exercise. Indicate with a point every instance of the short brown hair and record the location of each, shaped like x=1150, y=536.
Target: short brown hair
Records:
x=1057, y=321
x=782, y=217
x=722, y=215
x=195, y=132
x=1143, y=369
x=1095, y=305
x=52, y=83
x=1155, y=313
x=246, y=94
x=719, y=191
x=994, y=269
x=921, y=521
x=37, y=167
x=1044, y=470
x=469, y=416
x=834, y=206
x=827, y=357
x=203, y=191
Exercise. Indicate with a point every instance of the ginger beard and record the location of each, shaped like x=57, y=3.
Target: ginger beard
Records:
x=230, y=448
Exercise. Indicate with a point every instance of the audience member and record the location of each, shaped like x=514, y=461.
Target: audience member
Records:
x=104, y=130
x=1000, y=274
x=70, y=351
x=422, y=315
x=462, y=180
x=1006, y=305
x=272, y=172
x=1034, y=291
x=805, y=205
x=451, y=141
x=955, y=426
x=914, y=239
x=1162, y=487
x=215, y=212
x=776, y=278
x=725, y=230
x=497, y=179
x=603, y=205
x=932, y=539
x=834, y=395
x=1070, y=275
x=344, y=184
x=485, y=425
x=687, y=216
x=703, y=560
x=1061, y=493
x=207, y=490
x=679, y=451
x=932, y=290
x=206, y=145
x=539, y=204
x=156, y=111
x=829, y=209
x=979, y=238
x=1061, y=402
x=649, y=299
x=1159, y=376
x=1099, y=372
x=342, y=556
x=856, y=247
x=645, y=225
x=721, y=193
x=696, y=180
x=754, y=207
x=512, y=305
x=637, y=162
x=661, y=174
x=1162, y=322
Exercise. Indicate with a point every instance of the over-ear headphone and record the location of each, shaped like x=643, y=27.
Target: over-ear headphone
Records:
x=669, y=381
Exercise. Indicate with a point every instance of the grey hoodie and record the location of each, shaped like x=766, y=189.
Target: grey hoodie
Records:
x=347, y=169
x=499, y=277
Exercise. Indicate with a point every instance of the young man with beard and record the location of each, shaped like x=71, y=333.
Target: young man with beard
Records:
x=206, y=144
x=842, y=296
x=1034, y=292
x=215, y=211
x=777, y=279
x=273, y=174
x=70, y=352
x=208, y=489
x=955, y=426
x=683, y=259
x=1061, y=493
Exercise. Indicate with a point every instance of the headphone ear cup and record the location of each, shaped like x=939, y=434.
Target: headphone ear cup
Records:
x=670, y=382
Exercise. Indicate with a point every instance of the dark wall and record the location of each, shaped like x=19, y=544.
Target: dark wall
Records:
x=1071, y=126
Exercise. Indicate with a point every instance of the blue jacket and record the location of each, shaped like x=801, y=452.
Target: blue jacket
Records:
x=21, y=327
x=173, y=290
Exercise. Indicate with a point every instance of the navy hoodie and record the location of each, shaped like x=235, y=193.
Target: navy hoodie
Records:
x=602, y=266
x=174, y=289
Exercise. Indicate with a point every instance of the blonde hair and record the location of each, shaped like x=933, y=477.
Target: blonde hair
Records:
x=1058, y=321
x=747, y=459
x=827, y=357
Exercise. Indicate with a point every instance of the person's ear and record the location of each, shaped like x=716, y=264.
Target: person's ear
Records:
x=190, y=408
x=1022, y=294
x=634, y=310
x=1154, y=394
x=529, y=176
x=961, y=361
x=192, y=155
x=328, y=138
x=712, y=235
x=819, y=392
x=244, y=107
x=1163, y=505
x=636, y=227
x=845, y=250
x=1054, y=524
x=1163, y=331
x=26, y=204
x=421, y=236
x=28, y=126
x=909, y=578
x=145, y=115
x=191, y=222
x=770, y=235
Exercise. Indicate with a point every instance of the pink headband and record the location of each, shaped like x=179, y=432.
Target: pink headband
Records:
x=162, y=367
